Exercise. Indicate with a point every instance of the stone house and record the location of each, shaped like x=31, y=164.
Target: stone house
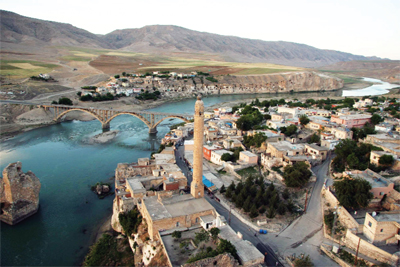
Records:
x=382, y=228
x=353, y=120
x=284, y=148
x=248, y=157
x=380, y=185
x=231, y=143
x=316, y=151
x=211, y=133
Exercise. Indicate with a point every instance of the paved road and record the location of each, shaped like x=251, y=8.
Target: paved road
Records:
x=305, y=234
x=248, y=233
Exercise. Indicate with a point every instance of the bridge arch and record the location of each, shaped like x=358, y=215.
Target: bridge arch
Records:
x=107, y=122
x=57, y=119
x=171, y=116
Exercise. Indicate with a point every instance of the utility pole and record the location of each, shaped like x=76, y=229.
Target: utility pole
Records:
x=358, y=246
x=229, y=220
x=305, y=204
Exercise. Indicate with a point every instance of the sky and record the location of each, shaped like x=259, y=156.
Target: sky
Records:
x=361, y=27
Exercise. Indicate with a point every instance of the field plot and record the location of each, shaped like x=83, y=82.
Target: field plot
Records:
x=24, y=68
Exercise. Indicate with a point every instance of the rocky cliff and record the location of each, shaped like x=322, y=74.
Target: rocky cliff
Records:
x=19, y=194
x=271, y=83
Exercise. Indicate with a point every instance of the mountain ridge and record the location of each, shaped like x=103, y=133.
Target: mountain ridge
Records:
x=164, y=39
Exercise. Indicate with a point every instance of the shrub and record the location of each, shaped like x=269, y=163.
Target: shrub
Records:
x=130, y=221
x=176, y=234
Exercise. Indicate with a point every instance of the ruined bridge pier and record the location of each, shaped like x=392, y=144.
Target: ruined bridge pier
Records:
x=105, y=116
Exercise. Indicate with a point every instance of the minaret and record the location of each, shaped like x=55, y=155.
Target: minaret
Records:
x=197, y=187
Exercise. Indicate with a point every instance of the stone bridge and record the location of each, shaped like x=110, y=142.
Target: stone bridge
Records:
x=105, y=116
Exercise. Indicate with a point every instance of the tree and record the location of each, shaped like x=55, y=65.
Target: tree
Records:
x=296, y=175
x=222, y=189
x=386, y=160
x=253, y=211
x=271, y=213
x=285, y=194
x=353, y=193
x=116, y=76
x=304, y=120
x=290, y=130
x=315, y=138
x=54, y=102
x=227, y=157
x=247, y=204
x=201, y=236
x=281, y=208
x=303, y=262
x=214, y=233
x=65, y=101
x=352, y=161
x=376, y=119
x=176, y=234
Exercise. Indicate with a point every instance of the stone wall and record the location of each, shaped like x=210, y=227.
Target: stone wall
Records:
x=344, y=217
x=225, y=260
x=19, y=194
x=366, y=248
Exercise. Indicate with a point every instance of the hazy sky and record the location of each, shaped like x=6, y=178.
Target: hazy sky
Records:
x=363, y=27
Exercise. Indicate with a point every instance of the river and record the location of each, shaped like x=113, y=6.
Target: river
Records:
x=60, y=233
x=378, y=88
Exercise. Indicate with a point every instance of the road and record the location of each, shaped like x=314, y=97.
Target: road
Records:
x=305, y=234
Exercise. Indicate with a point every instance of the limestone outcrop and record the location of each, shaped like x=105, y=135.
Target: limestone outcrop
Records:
x=19, y=194
x=290, y=82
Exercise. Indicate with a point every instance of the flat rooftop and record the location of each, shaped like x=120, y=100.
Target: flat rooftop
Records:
x=248, y=153
x=245, y=250
x=285, y=146
x=373, y=178
x=388, y=217
x=222, y=151
x=175, y=206
x=316, y=147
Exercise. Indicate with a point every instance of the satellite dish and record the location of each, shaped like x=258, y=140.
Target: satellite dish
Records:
x=373, y=214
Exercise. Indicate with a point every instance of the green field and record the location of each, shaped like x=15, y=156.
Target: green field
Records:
x=24, y=68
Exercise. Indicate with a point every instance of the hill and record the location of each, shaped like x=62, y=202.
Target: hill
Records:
x=167, y=38
x=34, y=34
x=16, y=29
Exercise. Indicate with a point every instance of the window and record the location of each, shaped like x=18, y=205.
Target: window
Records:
x=369, y=224
x=197, y=220
x=381, y=193
x=381, y=230
x=177, y=224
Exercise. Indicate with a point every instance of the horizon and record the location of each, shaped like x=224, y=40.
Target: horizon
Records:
x=331, y=25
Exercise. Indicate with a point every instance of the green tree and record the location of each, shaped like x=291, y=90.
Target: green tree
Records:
x=353, y=193
x=214, y=233
x=201, y=236
x=227, y=157
x=281, y=208
x=271, y=213
x=130, y=221
x=296, y=175
x=290, y=130
x=65, y=101
x=222, y=189
x=285, y=194
x=315, y=138
x=376, y=119
x=54, y=102
x=116, y=76
x=303, y=262
x=352, y=161
x=386, y=160
x=247, y=204
x=176, y=234
x=304, y=120
x=253, y=211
